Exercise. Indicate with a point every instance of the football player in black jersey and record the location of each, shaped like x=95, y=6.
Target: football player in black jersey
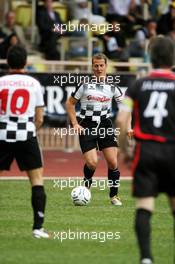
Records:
x=152, y=102
x=94, y=125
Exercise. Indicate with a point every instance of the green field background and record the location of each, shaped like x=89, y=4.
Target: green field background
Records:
x=17, y=245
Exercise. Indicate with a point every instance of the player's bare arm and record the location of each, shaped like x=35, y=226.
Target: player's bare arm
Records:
x=123, y=119
x=124, y=122
x=70, y=107
x=39, y=112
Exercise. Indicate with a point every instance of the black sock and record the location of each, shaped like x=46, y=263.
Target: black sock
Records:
x=113, y=181
x=88, y=173
x=38, y=204
x=143, y=232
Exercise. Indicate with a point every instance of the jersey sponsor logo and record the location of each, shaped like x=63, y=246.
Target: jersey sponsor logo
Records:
x=98, y=98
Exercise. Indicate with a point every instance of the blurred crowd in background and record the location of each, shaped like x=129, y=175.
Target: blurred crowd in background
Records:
x=138, y=20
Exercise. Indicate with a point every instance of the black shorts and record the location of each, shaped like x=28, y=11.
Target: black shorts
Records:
x=154, y=169
x=97, y=135
x=27, y=154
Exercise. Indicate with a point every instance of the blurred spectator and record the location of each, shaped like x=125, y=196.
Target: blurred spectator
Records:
x=154, y=8
x=147, y=8
x=165, y=23
x=121, y=11
x=95, y=7
x=10, y=28
x=46, y=18
x=6, y=43
x=80, y=9
x=141, y=11
x=115, y=44
x=164, y=6
x=138, y=45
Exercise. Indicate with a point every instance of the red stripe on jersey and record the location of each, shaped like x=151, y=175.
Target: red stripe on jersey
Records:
x=135, y=162
x=136, y=157
x=137, y=129
x=164, y=74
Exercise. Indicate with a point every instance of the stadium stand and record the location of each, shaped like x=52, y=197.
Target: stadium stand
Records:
x=24, y=15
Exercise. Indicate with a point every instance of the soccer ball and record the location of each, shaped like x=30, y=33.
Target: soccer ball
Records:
x=80, y=195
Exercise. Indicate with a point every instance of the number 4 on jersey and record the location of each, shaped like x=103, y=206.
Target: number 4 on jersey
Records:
x=156, y=108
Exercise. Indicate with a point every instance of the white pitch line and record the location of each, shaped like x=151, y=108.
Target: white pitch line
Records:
x=7, y=178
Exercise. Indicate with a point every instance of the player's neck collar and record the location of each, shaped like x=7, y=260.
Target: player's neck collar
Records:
x=162, y=73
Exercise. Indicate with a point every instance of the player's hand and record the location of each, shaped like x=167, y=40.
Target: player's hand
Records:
x=78, y=129
x=130, y=134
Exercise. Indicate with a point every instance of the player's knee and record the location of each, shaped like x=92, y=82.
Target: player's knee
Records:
x=37, y=181
x=112, y=164
x=36, y=176
x=145, y=204
x=92, y=164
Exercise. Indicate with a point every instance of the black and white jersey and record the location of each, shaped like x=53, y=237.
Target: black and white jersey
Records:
x=20, y=94
x=96, y=99
x=154, y=106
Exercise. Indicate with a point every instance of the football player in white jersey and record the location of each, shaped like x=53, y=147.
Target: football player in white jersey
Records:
x=94, y=125
x=21, y=114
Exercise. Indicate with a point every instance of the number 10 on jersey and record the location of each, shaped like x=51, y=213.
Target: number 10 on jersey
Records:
x=17, y=101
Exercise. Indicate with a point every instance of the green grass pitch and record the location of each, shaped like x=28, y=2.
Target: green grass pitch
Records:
x=18, y=246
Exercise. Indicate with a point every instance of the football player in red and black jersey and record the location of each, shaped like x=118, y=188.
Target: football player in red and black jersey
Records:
x=152, y=102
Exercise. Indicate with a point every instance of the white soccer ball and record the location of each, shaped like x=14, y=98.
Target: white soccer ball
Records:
x=80, y=195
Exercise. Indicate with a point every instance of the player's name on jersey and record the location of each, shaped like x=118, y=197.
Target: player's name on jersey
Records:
x=158, y=85
x=17, y=83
